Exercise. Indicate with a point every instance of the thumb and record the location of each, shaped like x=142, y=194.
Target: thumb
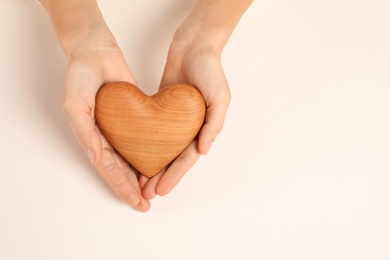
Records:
x=217, y=105
x=81, y=120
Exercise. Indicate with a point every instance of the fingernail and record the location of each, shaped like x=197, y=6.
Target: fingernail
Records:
x=91, y=155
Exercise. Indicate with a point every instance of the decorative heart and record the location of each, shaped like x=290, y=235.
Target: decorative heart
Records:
x=149, y=131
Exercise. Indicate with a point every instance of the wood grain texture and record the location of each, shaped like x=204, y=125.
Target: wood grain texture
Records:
x=149, y=131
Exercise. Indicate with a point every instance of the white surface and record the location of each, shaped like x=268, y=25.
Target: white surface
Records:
x=301, y=170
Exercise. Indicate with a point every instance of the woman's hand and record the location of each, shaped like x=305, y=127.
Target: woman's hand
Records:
x=91, y=64
x=94, y=59
x=194, y=58
x=201, y=68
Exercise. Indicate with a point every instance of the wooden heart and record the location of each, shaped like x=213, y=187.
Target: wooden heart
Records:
x=149, y=131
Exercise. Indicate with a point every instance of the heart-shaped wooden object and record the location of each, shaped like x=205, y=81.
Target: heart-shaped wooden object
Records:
x=149, y=131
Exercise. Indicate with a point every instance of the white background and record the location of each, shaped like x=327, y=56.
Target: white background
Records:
x=300, y=171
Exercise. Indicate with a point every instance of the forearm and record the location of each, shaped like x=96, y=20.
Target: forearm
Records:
x=75, y=21
x=211, y=22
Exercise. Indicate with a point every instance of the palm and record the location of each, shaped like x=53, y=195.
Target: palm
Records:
x=201, y=68
x=87, y=72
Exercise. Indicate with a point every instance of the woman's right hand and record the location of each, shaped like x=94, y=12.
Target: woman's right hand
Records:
x=94, y=59
x=92, y=63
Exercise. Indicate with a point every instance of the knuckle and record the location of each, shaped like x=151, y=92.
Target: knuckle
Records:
x=223, y=95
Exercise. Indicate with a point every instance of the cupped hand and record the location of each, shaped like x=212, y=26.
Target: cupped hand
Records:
x=91, y=64
x=201, y=67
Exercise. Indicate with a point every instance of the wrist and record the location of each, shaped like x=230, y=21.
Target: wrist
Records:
x=78, y=23
x=211, y=23
x=96, y=41
x=197, y=32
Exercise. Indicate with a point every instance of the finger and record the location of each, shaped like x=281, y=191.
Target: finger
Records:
x=83, y=127
x=121, y=179
x=178, y=169
x=132, y=175
x=116, y=179
x=217, y=106
x=149, y=190
x=142, y=181
x=143, y=205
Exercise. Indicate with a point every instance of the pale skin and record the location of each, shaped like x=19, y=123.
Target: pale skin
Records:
x=94, y=58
